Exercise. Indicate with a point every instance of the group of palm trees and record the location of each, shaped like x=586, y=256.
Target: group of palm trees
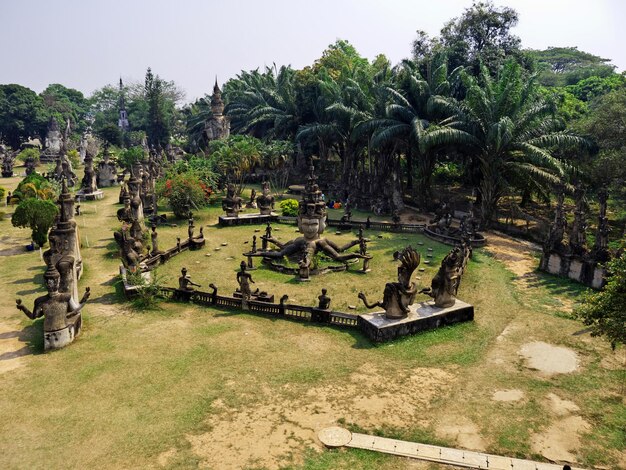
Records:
x=387, y=128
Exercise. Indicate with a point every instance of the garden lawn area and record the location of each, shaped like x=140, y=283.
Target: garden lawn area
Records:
x=182, y=386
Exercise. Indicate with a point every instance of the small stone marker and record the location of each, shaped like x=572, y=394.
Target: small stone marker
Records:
x=217, y=248
x=256, y=230
x=352, y=307
x=224, y=244
x=429, y=249
x=335, y=437
x=337, y=233
x=380, y=236
x=426, y=261
x=421, y=270
x=208, y=254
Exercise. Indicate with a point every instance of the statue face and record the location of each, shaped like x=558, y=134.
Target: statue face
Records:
x=52, y=284
x=311, y=227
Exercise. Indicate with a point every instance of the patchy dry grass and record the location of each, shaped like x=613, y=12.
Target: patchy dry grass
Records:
x=157, y=388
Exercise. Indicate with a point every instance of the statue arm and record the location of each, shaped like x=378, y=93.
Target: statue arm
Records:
x=368, y=305
x=74, y=308
x=28, y=313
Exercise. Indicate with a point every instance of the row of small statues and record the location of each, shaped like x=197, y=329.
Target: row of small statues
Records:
x=233, y=203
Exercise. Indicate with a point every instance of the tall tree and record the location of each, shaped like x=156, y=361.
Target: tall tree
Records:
x=22, y=115
x=158, y=126
x=66, y=103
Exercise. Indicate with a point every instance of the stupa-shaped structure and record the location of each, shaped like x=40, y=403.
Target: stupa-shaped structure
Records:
x=218, y=126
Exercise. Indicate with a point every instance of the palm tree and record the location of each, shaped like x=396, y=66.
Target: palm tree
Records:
x=263, y=104
x=511, y=135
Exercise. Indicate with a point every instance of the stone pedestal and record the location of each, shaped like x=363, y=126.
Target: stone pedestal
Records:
x=422, y=316
x=247, y=219
x=96, y=195
x=60, y=338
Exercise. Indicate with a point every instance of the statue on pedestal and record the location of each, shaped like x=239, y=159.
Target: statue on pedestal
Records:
x=398, y=296
x=324, y=301
x=231, y=204
x=62, y=318
x=244, y=279
x=251, y=204
x=445, y=284
x=184, y=281
x=265, y=202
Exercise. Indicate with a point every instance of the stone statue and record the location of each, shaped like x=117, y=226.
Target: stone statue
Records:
x=231, y=204
x=53, y=144
x=218, y=126
x=601, y=245
x=30, y=164
x=311, y=224
x=106, y=174
x=324, y=301
x=445, y=284
x=190, y=227
x=251, y=204
x=557, y=229
x=125, y=214
x=578, y=238
x=253, y=250
x=63, y=169
x=8, y=161
x=62, y=318
x=124, y=194
x=88, y=183
x=244, y=279
x=398, y=296
x=184, y=281
x=265, y=201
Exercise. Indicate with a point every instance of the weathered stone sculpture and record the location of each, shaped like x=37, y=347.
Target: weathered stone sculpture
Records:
x=30, y=164
x=578, y=238
x=244, y=279
x=8, y=161
x=557, y=229
x=53, y=143
x=62, y=317
x=445, y=285
x=184, y=281
x=601, y=245
x=106, y=174
x=154, y=237
x=398, y=296
x=265, y=202
x=88, y=184
x=63, y=170
x=311, y=224
x=251, y=204
x=231, y=204
x=218, y=126
x=323, y=301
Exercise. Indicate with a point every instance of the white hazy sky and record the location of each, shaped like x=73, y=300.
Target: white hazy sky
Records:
x=87, y=44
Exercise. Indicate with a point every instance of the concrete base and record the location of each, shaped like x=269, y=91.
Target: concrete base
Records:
x=422, y=316
x=247, y=219
x=90, y=196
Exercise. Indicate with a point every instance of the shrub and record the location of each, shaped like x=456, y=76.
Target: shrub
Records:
x=36, y=186
x=74, y=157
x=3, y=192
x=289, y=207
x=129, y=156
x=29, y=152
x=148, y=292
x=36, y=214
x=183, y=189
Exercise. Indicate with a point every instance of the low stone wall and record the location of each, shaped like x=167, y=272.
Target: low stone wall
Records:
x=477, y=241
x=585, y=271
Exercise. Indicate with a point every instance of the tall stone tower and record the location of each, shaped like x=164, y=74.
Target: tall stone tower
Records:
x=218, y=126
x=123, y=123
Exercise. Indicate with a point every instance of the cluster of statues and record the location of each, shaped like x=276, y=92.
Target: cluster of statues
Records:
x=577, y=240
x=311, y=224
x=61, y=306
x=442, y=222
x=399, y=296
x=233, y=203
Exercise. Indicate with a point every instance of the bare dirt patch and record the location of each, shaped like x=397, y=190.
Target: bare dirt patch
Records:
x=549, y=359
x=463, y=431
x=561, y=407
x=274, y=432
x=559, y=441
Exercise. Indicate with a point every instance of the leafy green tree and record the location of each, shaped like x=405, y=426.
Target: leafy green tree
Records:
x=36, y=214
x=22, y=115
x=36, y=186
x=559, y=66
x=481, y=35
x=66, y=103
x=183, y=191
x=129, y=156
x=28, y=153
x=594, y=87
x=604, y=311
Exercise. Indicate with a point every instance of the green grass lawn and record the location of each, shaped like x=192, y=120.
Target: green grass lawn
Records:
x=141, y=383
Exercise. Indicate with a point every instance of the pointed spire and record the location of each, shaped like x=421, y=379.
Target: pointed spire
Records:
x=216, y=88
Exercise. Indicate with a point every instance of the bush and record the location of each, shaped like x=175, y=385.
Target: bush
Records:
x=26, y=153
x=36, y=186
x=181, y=189
x=36, y=214
x=3, y=192
x=74, y=157
x=129, y=156
x=148, y=293
x=289, y=207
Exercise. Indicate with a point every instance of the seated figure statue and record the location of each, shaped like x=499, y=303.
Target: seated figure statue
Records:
x=265, y=202
x=398, y=296
x=62, y=318
x=231, y=204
